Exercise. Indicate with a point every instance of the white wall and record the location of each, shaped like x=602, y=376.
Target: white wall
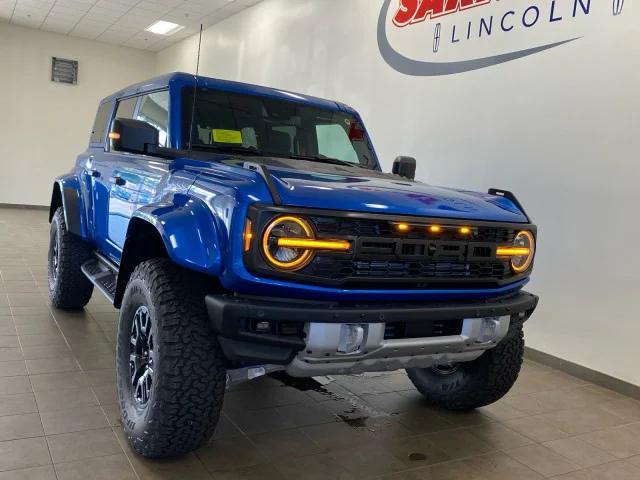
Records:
x=45, y=125
x=560, y=128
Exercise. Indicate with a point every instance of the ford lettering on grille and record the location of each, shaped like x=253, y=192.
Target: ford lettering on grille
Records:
x=435, y=250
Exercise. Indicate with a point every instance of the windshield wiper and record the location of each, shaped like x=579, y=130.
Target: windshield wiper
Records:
x=252, y=151
x=320, y=159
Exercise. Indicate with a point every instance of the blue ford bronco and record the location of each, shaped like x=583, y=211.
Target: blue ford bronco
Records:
x=243, y=230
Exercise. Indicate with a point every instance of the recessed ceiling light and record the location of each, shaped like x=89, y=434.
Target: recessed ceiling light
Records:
x=164, y=28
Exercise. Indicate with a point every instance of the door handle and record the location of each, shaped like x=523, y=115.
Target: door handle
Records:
x=117, y=180
x=93, y=173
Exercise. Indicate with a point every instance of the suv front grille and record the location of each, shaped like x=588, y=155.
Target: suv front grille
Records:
x=386, y=259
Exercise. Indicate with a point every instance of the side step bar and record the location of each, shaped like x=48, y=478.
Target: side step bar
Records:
x=103, y=274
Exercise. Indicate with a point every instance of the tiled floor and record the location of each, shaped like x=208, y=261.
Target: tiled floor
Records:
x=59, y=418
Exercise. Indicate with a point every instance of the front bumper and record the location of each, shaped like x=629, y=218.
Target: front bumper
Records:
x=312, y=348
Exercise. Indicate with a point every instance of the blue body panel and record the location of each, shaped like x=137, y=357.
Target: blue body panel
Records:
x=375, y=194
x=199, y=207
x=188, y=231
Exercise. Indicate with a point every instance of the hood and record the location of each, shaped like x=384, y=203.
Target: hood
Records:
x=326, y=186
x=335, y=187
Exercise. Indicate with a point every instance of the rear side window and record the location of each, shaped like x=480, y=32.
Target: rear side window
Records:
x=154, y=109
x=100, y=124
x=126, y=107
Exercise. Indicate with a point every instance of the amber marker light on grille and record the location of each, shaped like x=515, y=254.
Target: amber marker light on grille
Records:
x=465, y=230
x=312, y=244
x=435, y=229
x=114, y=136
x=403, y=227
x=247, y=236
x=512, y=251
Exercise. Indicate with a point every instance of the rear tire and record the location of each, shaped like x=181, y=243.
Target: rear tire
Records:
x=175, y=408
x=69, y=288
x=470, y=385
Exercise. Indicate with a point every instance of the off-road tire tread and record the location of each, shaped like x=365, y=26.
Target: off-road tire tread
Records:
x=190, y=376
x=487, y=379
x=73, y=289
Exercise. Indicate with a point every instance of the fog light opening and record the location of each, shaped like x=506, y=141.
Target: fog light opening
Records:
x=351, y=338
x=489, y=329
x=261, y=326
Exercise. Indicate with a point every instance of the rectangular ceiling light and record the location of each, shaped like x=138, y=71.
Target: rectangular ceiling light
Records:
x=164, y=28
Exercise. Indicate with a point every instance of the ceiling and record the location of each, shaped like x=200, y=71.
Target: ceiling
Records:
x=120, y=22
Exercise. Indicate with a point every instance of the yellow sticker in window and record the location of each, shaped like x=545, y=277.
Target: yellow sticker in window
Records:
x=226, y=136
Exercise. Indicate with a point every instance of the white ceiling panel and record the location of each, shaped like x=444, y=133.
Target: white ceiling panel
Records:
x=123, y=29
x=75, y=3
x=36, y=4
x=167, y=4
x=31, y=10
x=27, y=21
x=83, y=34
x=126, y=3
x=113, y=37
x=103, y=14
x=131, y=23
x=86, y=22
x=68, y=11
x=55, y=28
x=120, y=22
x=7, y=4
x=86, y=25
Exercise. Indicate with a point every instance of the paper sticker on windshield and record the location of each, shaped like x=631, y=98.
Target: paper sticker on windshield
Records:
x=226, y=136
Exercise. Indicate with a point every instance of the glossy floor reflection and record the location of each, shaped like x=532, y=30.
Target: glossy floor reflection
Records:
x=59, y=418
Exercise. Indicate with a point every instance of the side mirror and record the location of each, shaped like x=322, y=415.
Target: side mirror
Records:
x=405, y=167
x=134, y=136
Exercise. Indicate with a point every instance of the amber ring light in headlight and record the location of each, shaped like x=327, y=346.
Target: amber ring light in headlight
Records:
x=521, y=253
x=289, y=243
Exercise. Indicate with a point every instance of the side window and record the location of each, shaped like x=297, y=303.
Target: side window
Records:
x=154, y=109
x=100, y=124
x=334, y=142
x=126, y=107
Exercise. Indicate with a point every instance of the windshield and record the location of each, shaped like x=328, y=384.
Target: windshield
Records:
x=263, y=126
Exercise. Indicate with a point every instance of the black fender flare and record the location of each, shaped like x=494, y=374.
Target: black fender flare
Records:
x=66, y=193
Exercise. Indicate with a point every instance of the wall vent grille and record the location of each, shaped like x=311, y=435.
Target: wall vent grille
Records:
x=64, y=71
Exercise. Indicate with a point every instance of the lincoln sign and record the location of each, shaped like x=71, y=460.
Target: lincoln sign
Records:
x=444, y=37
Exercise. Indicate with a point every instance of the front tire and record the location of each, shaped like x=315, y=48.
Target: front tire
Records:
x=171, y=372
x=470, y=385
x=69, y=288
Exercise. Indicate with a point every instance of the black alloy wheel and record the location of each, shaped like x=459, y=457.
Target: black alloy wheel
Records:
x=141, y=356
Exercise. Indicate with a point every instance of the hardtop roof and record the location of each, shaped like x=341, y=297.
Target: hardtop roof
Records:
x=185, y=79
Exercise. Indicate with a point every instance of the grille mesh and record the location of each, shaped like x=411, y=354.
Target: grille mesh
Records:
x=334, y=268
x=375, y=228
x=376, y=258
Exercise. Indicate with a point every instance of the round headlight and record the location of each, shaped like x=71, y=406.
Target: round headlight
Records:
x=286, y=257
x=524, y=240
